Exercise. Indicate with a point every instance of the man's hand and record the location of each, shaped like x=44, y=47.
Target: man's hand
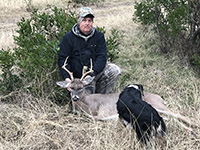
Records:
x=88, y=76
x=69, y=81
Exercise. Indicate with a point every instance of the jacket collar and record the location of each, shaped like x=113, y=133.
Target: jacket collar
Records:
x=77, y=32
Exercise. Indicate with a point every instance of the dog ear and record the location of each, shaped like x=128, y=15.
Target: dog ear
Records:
x=141, y=89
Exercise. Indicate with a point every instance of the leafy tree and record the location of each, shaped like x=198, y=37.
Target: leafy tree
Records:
x=177, y=23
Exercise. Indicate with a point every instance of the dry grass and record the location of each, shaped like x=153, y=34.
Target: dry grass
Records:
x=30, y=123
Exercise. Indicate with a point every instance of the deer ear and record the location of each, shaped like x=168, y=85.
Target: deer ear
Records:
x=63, y=84
x=87, y=80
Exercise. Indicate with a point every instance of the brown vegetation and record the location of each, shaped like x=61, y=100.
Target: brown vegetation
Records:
x=27, y=122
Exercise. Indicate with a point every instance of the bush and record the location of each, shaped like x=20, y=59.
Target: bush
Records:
x=38, y=42
x=176, y=22
x=36, y=55
x=112, y=42
x=10, y=81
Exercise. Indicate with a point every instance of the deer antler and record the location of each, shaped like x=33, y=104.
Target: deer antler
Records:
x=90, y=70
x=64, y=67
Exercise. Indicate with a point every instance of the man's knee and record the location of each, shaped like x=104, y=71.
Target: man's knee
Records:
x=112, y=70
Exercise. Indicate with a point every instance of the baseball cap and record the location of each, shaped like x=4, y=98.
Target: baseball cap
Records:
x=84, y=11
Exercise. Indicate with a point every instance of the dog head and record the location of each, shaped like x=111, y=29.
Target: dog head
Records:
x=138, y=87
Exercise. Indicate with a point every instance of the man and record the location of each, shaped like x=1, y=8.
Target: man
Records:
x=80, y=45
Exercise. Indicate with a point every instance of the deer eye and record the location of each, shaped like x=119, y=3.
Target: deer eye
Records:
x=80, y=89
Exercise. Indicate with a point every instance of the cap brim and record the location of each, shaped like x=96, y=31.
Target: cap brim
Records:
x=87, y=15
x=90, y=15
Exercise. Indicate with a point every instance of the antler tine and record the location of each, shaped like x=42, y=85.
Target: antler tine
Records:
x=90, y=70
x=70, y=73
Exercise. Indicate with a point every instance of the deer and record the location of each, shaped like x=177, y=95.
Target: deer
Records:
x=103, y=106
x=97, y=106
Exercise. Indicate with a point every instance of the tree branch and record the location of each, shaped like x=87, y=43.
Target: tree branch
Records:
x=195, y=34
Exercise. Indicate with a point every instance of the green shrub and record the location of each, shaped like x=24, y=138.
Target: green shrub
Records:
x=38, y=42
x=36, y=53
x=10, y=81
x=176, y=22
x=112, y=42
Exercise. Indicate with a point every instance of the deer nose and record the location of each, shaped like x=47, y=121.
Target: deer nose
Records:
x=75, y=97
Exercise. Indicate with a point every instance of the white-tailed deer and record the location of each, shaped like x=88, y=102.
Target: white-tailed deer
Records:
x=98, y=106
x=103, y=106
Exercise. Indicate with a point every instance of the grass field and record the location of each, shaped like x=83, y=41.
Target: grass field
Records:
x=39, y=124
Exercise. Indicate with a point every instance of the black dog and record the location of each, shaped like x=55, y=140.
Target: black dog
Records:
x=142, y=116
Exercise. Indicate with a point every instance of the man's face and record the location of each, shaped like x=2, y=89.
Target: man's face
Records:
x=86, y=25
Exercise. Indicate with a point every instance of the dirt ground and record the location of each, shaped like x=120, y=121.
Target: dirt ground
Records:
x=10, y=16
x=8, y=25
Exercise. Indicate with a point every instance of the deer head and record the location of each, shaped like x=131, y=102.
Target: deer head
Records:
x=77, y=86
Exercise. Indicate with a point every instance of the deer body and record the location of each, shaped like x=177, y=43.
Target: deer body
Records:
x=98, y=106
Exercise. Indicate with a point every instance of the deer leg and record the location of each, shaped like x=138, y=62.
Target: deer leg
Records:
x=179, y=117
x=74, y=109
x=158, y=103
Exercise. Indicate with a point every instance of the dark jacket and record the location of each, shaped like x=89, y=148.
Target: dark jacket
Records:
x=80, y=49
